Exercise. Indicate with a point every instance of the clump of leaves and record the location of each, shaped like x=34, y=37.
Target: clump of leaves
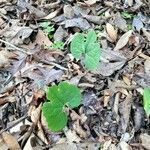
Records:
x=58, y=45
x=146, y=100
x=86, y=47
x=47, y=27
x=58, y=98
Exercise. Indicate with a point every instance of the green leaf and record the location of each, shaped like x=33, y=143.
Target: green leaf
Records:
x=146, y=100
x=44, y=24
x=78, y=45
x=92, y=56
x=64, y=94
x=55, y=117
x=87, y=48
x=91, y=37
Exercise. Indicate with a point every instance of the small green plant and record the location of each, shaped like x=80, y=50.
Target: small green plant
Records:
x=47, y=27
x=86, y=46
x=146, y=100
x=127, y=15
x=59, y=97
x=58, y=45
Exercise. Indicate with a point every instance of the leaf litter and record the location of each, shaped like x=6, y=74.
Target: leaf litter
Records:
x=114, y=110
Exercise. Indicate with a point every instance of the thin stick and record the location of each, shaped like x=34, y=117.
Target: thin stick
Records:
x=15, y=47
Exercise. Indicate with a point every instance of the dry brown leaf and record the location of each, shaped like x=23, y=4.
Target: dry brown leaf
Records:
x=35, y=114
x=123, y=40
x=145, y=138
x=11, y=141
x=42, y=39
x=111, y=32
x=72, y=136
x=77, y=127
x=5, y=57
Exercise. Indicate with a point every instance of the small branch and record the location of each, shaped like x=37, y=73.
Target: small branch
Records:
x=15, y=47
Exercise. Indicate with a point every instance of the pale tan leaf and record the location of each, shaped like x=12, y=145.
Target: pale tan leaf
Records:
x=124, y=146
x=111, y=32
x=35, y=114
x=123, y=40
x=42, y=39
x=145, y=138
x=11, y=141
x=90, y=2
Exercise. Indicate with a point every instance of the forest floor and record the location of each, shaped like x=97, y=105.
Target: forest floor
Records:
x=35, y=39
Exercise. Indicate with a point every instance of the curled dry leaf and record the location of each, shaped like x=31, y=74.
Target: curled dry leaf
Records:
x=11, y=141
x=123, y=40
x=111, y=32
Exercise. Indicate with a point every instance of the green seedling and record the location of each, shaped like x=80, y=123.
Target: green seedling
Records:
x=127, y=15
x=47, y=27
x=58, y=45
x=146, y=100
x=86, y=46
x=59, y=98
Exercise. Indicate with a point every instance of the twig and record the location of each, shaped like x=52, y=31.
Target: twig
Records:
x=14, y=123
x=15, y=47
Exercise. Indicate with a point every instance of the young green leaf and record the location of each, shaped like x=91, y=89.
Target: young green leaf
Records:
x=55, y=116
x=87, y=47
x=64, y=94
x=77, y=45
x=146, y=100
x=92, y=56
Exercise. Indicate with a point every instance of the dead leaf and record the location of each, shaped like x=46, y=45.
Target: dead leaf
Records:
x=68, y=11
x=111, y=32
x=145, y=138
x=42, y=39
x=129, y=2
x=123, y=40
x=72, y=136
x=147, y=66
x=11, y=141
x=120, y=23
x=94, y=19
x=35, y=114
x=53, y=14
x=4, y=58
x=146, y=33
x=137, y=24
x=124, y=146
x=90, y=2
x=125, y=110
x=77, y=22
x=110, y=62
x=60, y=34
